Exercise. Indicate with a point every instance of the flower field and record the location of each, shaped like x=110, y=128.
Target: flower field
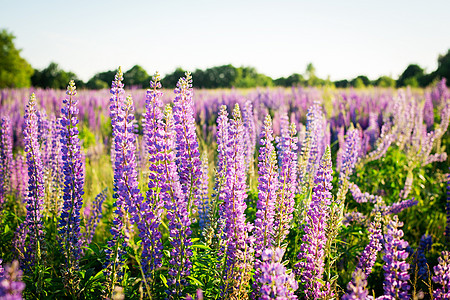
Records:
x=298, y=193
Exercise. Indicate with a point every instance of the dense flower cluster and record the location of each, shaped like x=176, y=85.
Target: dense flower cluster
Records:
x=268, y=187
x=11, y=285
x=69, y=222
x=238, y=253
x=312, y=251
x=357, y=287
x=187, y=151
x=6, y=157
x=361, y=197
x=92, y=216
x=396, y=269
x=284, y=207
x=275, y=283
x=351, y=151
x=35, y=195
x=442, y=277
x=369, y=255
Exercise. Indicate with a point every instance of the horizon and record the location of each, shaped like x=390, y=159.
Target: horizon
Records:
x=341, y=40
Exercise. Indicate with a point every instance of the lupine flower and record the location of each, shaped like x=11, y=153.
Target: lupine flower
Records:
x=369, y=255
x=35, y=196
x=203, y=212
x=239, y=249
x=354, y=217
x=152, y=209
x=248, y=120
x=69, y=224
x=92, y=216
x=357, y=287
x=312, y=251
x=352, y=148
x=187, y=152
x=419, y=259
x=126, y=191
x=274, y=281
x=310, y=155
x=398, y=207
x=396, y=269
x=177, y=213
x=361, y=197
x=6, y=157
x=442, y=277
x=383, y=143
x=447, y=209
x=288, y=184
x=11, y=285
x=428, y=111
x=268, y=187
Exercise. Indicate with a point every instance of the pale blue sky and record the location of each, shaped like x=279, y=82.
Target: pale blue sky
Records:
x=341, y=38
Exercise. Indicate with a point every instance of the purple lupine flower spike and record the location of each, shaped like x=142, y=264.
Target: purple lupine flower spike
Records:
x=447, y=209
x=287, y=146
x=369, y=255
x=274, y=281
x=312, y=251
x=11, y=285
x=239, y=251
x=203, y=212
x=92, y=216
x=357, y=287
x=248, y=120
x=442, y=277
x=268, y=187
x=69, y=223
x=396, y=269
x=177, y=213
x=187, y=151
x=6, y=158
x=152, y=209
x=35, y=196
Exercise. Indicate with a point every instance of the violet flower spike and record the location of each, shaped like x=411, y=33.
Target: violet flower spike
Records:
x=187, y=149
x=11, y=285
x=312, y=251
x=396, y=269
x=284, y=207
x=239, y=250
x=153, y=208
x=275, y=282
x=6, y=158
x=177, y=213
x=69, y=223
x=442, y=277
x=268, y=187
x=35, y=198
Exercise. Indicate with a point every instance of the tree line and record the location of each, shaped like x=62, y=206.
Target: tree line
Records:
x=15, y=71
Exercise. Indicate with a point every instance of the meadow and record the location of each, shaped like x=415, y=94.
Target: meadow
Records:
x=280, y=193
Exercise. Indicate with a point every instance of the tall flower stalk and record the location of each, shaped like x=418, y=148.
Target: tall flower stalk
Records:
x=284, y=207
x=187, y=154
x=177, y=213
x=6, y=157
x=69, y=223
x=312, y=251
x=396, y=275
x=268, y=187
x=35, y=197
x=239, y=244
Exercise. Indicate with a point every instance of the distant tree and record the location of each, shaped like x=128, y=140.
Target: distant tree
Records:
x=293, y=80
x=14, y=70
x=360, y=81
x=443, y=70
x=411, y=75
x=342, y=83
x=215, y=77
x=385, y=82
x=101, y=80
x=170, y=80
x=136, y=76
x=310, y=74
x=248, y=77
x=52, y=77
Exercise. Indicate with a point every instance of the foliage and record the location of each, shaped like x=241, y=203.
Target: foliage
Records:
x=15, y=71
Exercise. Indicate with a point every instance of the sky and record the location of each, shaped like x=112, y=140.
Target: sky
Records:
x=342, y=38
